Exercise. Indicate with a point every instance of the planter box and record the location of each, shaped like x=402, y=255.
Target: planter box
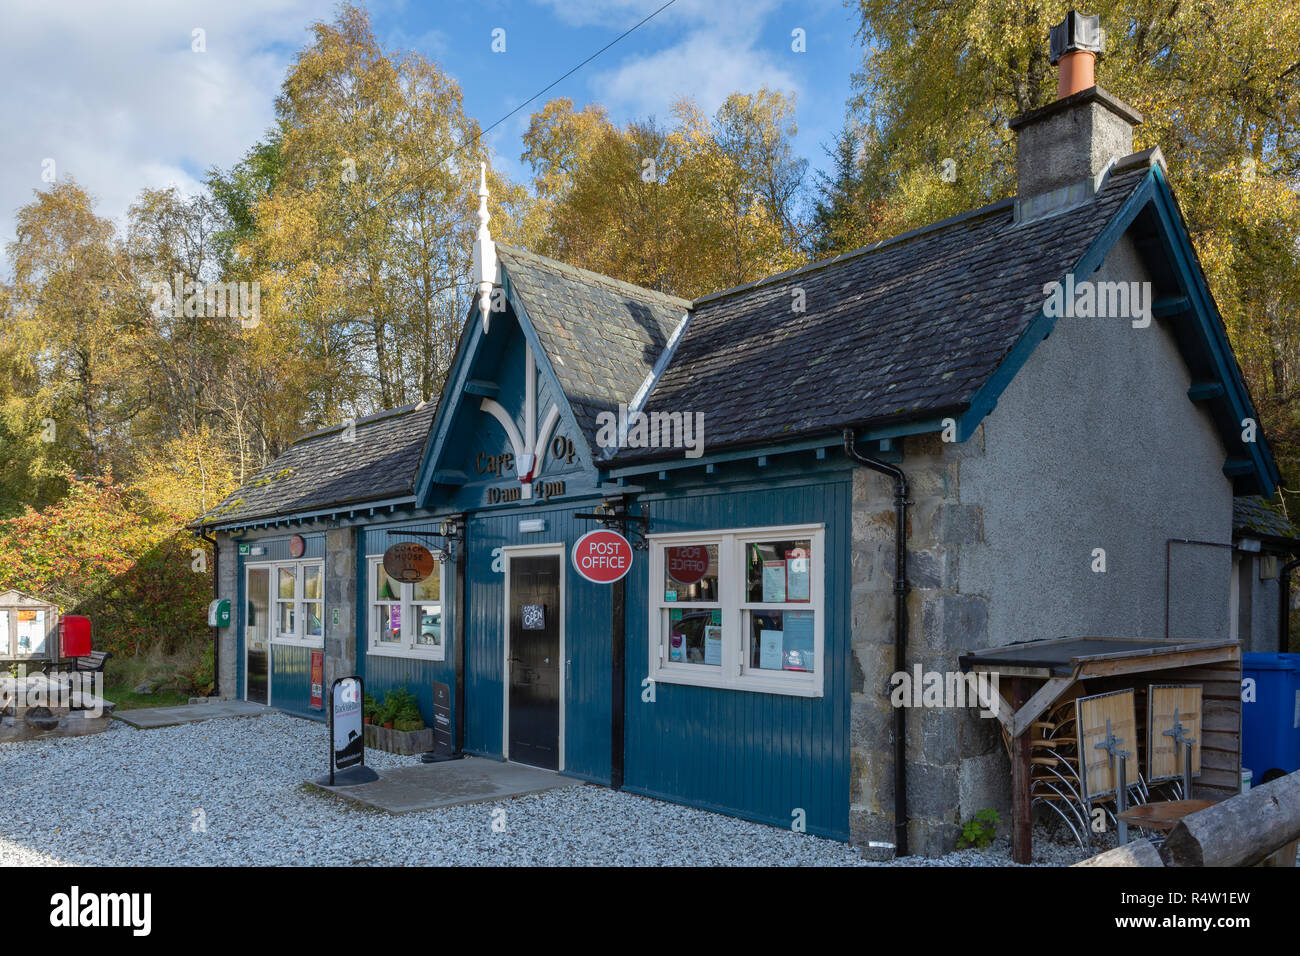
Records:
x=399, y=741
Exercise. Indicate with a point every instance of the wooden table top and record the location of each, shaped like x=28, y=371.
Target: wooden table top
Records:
x=1163, y=814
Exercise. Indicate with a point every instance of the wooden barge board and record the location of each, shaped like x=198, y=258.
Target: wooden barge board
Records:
x=1082, y=657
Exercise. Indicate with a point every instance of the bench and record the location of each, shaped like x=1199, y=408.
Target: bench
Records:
x=91, y=663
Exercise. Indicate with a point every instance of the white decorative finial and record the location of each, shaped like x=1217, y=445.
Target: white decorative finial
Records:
x=485, y=252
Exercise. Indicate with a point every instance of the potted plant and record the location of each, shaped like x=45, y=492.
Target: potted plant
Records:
x=369, y=708
x=388, y=711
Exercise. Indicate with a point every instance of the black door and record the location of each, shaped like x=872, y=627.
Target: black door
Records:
x=535, y=661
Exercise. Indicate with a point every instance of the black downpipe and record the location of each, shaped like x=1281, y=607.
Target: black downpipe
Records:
x=1284, y=606
x=216, y=587
x=462, y=595
x=900, y=629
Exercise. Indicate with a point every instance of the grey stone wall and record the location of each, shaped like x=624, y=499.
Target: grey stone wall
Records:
x=340, y=598
x=954, y=757
x=1094, y=444
x=227, y=666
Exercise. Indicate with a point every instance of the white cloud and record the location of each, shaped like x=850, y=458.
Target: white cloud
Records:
x=706, y=66
x=712, y=52
x=118, y=99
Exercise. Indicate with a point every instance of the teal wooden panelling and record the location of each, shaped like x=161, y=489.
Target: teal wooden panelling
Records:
x=759, y=756
x=291, y=680
x=587, y=630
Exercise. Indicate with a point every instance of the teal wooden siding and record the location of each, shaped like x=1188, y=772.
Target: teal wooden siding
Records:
x=587, y=630
x=756, y=755
x=291, y=680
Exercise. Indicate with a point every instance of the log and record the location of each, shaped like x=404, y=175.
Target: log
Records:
x=1242, y=830
x=1137, y=853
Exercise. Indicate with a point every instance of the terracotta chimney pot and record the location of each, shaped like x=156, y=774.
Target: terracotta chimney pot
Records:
x=1076, y=42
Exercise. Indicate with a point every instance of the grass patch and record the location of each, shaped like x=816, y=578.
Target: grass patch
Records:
x=128, y=699
x=171, y=676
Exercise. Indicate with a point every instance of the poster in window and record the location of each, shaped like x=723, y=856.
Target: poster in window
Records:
x=798, y=575
x=534, y=617
x=773, y=582
x=31, y=632
x=798, y=643
x=770, y=649
x=676, y=646
x=712, y=644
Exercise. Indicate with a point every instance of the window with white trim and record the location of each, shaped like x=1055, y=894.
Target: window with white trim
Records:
x=742, y=609
x=299, y=612
x=405, y=619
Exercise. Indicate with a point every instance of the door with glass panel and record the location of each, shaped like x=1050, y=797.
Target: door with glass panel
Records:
x=257, y=636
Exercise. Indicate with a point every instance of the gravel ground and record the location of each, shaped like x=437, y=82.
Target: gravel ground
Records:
x=131, y=797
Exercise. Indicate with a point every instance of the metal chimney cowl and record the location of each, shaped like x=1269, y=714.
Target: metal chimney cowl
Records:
x=1078, y=32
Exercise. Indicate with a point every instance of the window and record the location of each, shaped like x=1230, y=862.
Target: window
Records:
x=299, y=613
x=405, y=619
x=741, y=609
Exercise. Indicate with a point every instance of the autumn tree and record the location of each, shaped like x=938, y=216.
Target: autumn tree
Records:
x=690, y=208
x=74, y=313
x=1218, y=85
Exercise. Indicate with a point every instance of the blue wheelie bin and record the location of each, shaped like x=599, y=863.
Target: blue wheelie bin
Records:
x=1270, y=724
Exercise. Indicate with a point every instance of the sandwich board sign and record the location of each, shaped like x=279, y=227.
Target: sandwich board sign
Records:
x=347, y=734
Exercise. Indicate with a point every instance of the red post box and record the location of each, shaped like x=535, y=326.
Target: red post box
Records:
x=74, y=636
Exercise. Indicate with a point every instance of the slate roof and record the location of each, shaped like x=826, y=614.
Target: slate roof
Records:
x=321, y=470
x=1252, y=514
x=908, y=328
x=602, y=336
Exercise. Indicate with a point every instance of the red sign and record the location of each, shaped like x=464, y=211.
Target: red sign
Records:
x=686, y=565
x=297, y=546
x=602, y=556
x=318, y=680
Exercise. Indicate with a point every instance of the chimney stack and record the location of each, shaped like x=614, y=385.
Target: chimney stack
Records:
x=1064, y=149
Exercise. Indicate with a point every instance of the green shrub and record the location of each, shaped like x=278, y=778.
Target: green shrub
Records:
x=979, y=831
x=201, y=678
x=402, y=709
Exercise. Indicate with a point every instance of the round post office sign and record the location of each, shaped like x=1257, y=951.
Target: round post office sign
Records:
x=602, y=557
x=409, y=562
x=687, y=564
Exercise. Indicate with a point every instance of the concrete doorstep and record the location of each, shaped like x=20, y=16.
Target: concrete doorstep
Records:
x=448, y=784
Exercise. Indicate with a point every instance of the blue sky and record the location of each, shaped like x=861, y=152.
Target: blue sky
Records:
x=115, y=95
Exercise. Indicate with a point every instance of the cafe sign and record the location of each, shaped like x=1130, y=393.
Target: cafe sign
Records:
x=409, y=562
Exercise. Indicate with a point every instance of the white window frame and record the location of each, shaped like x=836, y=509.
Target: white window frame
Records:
x=298, y=601
x=734, y=672
x=407, y=646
